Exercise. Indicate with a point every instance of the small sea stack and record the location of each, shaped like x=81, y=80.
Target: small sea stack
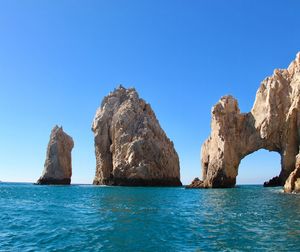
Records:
x=130, y=146
x=58, y=164
x=272, y=124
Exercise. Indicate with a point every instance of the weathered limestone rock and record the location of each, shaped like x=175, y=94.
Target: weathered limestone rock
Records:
x=196, y=183
x=130, y=146
x=292, y=184
x=58, y=164
x=273, y=124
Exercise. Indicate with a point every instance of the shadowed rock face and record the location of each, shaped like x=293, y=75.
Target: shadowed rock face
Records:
x=58, y=164
x=273, y=124
x=130, y=146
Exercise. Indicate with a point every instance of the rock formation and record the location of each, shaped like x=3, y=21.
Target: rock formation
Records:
x=130, y=146
x=58, y=164
x=273, y=124
x=292, y=184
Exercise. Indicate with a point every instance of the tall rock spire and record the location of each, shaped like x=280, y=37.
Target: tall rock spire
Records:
x=58, y=164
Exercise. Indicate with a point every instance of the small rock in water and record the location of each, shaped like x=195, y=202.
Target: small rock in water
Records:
x=273, y=182
x=58, y=164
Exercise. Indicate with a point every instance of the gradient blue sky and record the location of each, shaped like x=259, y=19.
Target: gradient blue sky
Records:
x=58, y=59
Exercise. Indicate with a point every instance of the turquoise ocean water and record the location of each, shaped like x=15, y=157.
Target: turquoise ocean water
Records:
x=91, y=218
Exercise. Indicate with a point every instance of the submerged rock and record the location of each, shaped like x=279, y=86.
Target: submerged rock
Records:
x=58, y=164
x=130, y=146
x=273, y=124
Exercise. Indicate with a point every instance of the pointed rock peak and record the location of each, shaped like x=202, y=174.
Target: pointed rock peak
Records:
x=227, y=103
x=118, y=96
x=121, y=90
x=56, y=128
x=120, y=87
x=228, y=100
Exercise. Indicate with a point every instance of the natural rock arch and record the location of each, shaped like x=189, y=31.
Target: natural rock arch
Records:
x=272, y=124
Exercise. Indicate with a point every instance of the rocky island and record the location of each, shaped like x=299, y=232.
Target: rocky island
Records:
x=130, y=146
x=58, y=164
x=272, y=124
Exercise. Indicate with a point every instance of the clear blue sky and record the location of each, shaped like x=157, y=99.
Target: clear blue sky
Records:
x=58, y=59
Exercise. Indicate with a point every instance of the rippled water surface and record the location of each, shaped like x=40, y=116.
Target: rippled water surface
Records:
x=90, y=218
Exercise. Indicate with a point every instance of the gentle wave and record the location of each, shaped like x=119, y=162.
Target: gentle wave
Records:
x=93, y=218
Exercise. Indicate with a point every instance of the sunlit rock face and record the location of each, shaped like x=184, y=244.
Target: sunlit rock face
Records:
x=130, y=146
x=273, y=124
x=292, y=184
x=58, y=164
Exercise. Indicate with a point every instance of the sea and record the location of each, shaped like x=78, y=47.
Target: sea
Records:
x=103, y=218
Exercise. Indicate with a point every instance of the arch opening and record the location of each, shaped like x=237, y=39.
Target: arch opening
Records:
x=258, y=167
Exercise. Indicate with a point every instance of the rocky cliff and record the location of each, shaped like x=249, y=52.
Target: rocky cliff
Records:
x=273, y=124
x=58, y=164
x=130, y=146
